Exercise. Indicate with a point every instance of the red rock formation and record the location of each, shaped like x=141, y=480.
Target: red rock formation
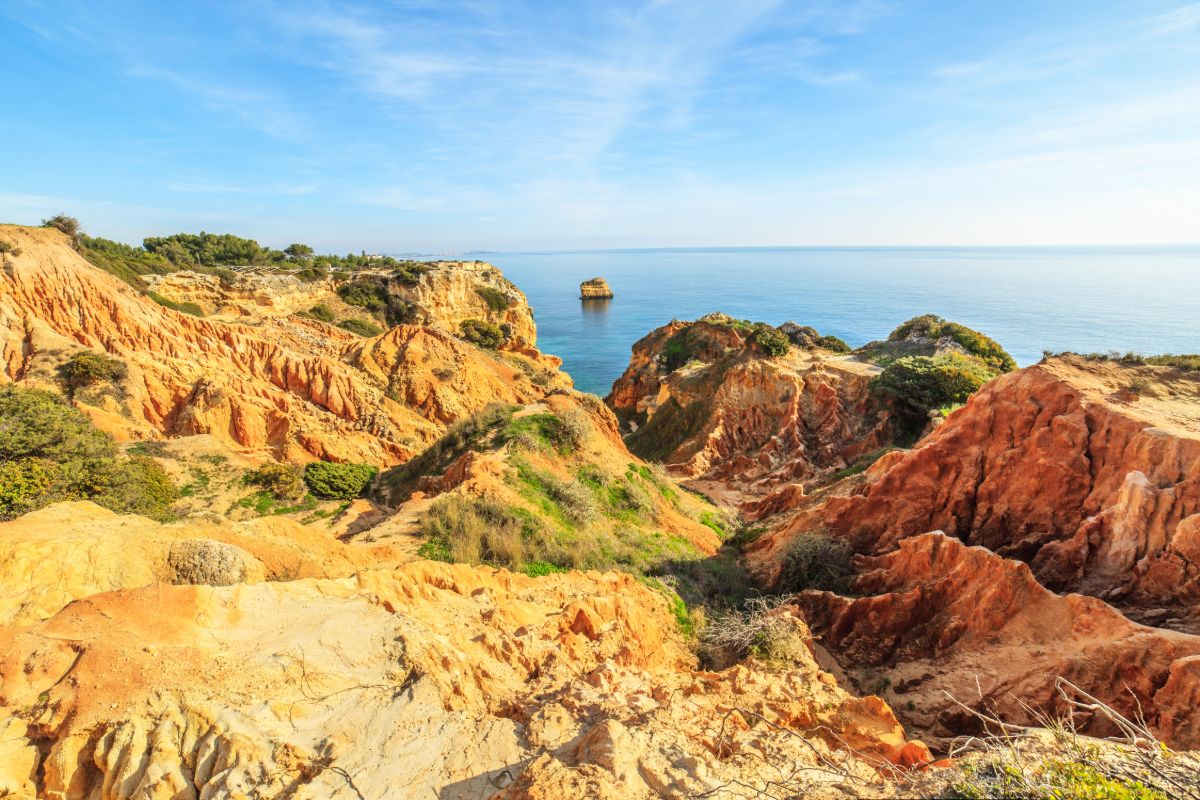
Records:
x=709, y=405
x=1051, y=466
x=299, y=388
x=942, y=617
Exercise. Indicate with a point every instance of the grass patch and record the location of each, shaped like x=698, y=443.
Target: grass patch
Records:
x=183, y=308
x=360, y=327
x=671, y=426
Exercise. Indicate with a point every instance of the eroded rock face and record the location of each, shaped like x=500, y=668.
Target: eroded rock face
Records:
x=250, y=293
x=939, y=617
x=708, y=404
x=595, y=289
x=69, y=551
x=1052, y=466
x=427, y=680
x=298, y=388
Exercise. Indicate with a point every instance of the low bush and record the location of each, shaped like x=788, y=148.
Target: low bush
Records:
x=773, y=342
x=283, y=481
x=311, y=274
x=931, y=326
x=360, y=327
x=564, y=433
x=49, y=451
x=496, y=300
x=409, y=273
x=183, y=308
x=477, y=530
x=817, y=561
x=365, y=293
x=68, y=225
x=88, y=367
x=336, y=481
x=917, y=385
x=320, y=312
x=483, y=334
x=8, y=248
x=833, y=344
x=765, y=628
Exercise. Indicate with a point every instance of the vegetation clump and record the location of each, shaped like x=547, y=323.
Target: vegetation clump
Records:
x=337, y=481
x=496, y=300
x=817, y=561
x=917, y=385
x=931, y=326
x=282, y=481
x=320, y=312
x=772, y=341
x=1187, y=361
x=365, y=293
x=89, y=367
x=482, y=334
x=49, y=452
x=833, y=344
x=562, y=433
x=68, y=225
x=183, y=308
x=7, y=248
x=360, y=327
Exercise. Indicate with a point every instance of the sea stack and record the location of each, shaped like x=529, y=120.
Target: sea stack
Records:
x=596, y=288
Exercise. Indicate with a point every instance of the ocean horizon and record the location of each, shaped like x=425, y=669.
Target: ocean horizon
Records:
x=1088, y=298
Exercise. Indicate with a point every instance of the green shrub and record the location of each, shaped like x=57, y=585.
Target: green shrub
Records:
x=49, y=451
x=365, y=293
x=677, y=350
x=312, y=274
x=360, y=326
x=917, y=385
x=40, y=424
x=409, y=272
x=184, y=308
x=931, y=326
x=833, y=344
x=88, y=367
x=136, y=485
x=23, y=484
x=817, y=561
x=210, y=249
x=773, y=342
x=321, y=313
x=496, y=300
x=336, y=481
x=483, y=334
x=283, y=481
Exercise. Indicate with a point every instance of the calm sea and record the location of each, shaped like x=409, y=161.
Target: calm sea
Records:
x=1087, y=299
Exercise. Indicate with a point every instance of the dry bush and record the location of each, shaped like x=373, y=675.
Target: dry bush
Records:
x=764, y=628
x=1053, y=760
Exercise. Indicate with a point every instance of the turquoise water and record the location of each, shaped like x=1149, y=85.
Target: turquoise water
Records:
x=1093, y=299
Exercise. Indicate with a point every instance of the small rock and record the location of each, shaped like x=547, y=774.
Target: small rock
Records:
x=596, y=288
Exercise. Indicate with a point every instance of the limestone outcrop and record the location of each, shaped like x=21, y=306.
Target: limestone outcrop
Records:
x=595, y=289
x=295, y=388
x=427, y=680
x=942, y=620
x=701, y=398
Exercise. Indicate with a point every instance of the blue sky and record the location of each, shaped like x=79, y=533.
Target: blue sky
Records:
x=442, y=126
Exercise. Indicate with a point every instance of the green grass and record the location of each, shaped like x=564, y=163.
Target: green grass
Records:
x=265, y=504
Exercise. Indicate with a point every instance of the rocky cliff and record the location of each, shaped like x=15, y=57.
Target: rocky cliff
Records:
x=1096, y=485
x=430, y=679
x=943, y=622
x=595, y=289
x=704, y=398
x=294, y=387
